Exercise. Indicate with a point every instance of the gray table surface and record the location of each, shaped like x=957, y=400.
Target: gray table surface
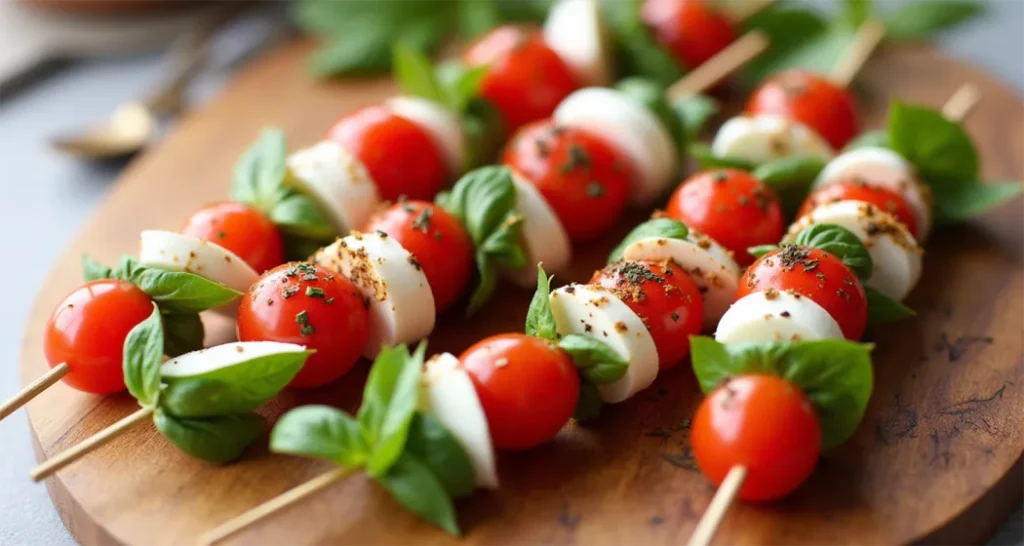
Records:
x=46, y=197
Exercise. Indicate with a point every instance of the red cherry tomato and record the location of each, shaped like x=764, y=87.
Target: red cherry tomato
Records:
x=856, y=190
x=306, y=304
x=525, y=78
x=87, y=331
x=811, y=99
x=763, y=423
x=241, y=229
x=814, y=273
x=527, y=386
x=732, y=207
x=401, y=157
x=438, y=241
x=584, y=179
x=664, y=297
x=692, y=30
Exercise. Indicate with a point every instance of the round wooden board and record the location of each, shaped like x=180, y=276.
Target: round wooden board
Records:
x=937, y=459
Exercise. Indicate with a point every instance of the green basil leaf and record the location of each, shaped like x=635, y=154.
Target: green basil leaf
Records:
x=788, y=28
x=300, y=215
x=637, y=52
x=485, y=131
x=182, y=334
x=589, y=404
x=968, y=200
x=840, y=242
x=415, y=487
x=761, y=250
x=502, y=249
x=694, y=112
x=540, y=322
x=650, y=95
x=415, y=74
x=835, y=374
x=869, y=139
x=790, y=178
x=662, y=228
x=143, y=355
x=93, y=270
x=702, y=153
x=438, y=449
x=921, y=18
x=883, y=309
x=365, y=53
x=597, y=362
x=175, y=291
x=524, y=10
x=238, y=388
x=818, y=52
x=260, y=172
x=389, y=402
x=855, y=12
x=321, y=432
x=460, y=83
x=940, y=149
x=218, y=439
x=476, y=18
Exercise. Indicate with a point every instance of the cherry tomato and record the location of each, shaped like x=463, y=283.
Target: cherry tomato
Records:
x=732, y=207
x=525, y=78
x=242, y=229
x=307, y=304
x=87, y=331
x=814, y=273
x=664, y=297
x=527, y=386
x=811, y=99
x=401, y=157
x=858, y=190
x=584, y=179
x=763, y=423
x=439, y=242
x=692, y=30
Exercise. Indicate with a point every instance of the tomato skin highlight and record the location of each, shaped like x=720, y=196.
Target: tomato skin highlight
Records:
x=527, y=386
x=765, y=424
x=400, y=156
x=525, y=78
x=87, y=330
x=584, y=179
x=692, y=30
x=336, y=321
x=666, y=299
x=855, y=190
x=439, y=242
x=811, y=99
x=240, y=228
x=732, y=207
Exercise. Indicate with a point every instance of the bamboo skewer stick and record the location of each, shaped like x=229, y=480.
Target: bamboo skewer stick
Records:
x=33, y=389
x=868, y=36
x=957, y=108
x=85, y=447
x=737, y=54
x=273, y=505
x=723, y=498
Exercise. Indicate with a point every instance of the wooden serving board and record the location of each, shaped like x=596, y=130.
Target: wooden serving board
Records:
x=937, y=459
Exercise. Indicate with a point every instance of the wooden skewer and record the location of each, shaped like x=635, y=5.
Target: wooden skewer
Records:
x=279, y=502
x=737, y=54
x=957, y=108
x=33, y=389
x=741, y=10
x=868, y=36
x=715, y=513
x=71, y=455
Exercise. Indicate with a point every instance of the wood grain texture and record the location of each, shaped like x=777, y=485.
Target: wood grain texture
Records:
x=938, y=457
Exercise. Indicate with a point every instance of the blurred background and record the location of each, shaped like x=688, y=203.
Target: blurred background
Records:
x=66, y=65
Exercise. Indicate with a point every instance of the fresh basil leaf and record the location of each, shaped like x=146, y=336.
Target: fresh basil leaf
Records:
x=883, y=309
x=589, y=404
x=940, y=149
x=597, y=362
x=477, y=17
x=415, y=487
x=761, y=250
x=366, y=52
x=661, y=228
x=702, y=153
x=855, y=12
x=240, y=388
x=790, y=178
x=650, y=95
x=415, y=74
x=485, y=131
x=438, y=449
x=835, y=374
x=389, y=402
x=819, y=51
x=214, y=439
x=787, y=28
x=460, y=83
x=972, y=199
x=93, y=270
x=868, y=139
x=143, y=354
x=175, y=291
x=694, y=112
x=298, y=249
x=321, y=432
x=524, y=10
x=540, y=322
x=299, y=215
x=183, y=333
x=260, y=172
x=637, y=52
x=921, y=18
x=841, y=243
x=502, y=249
